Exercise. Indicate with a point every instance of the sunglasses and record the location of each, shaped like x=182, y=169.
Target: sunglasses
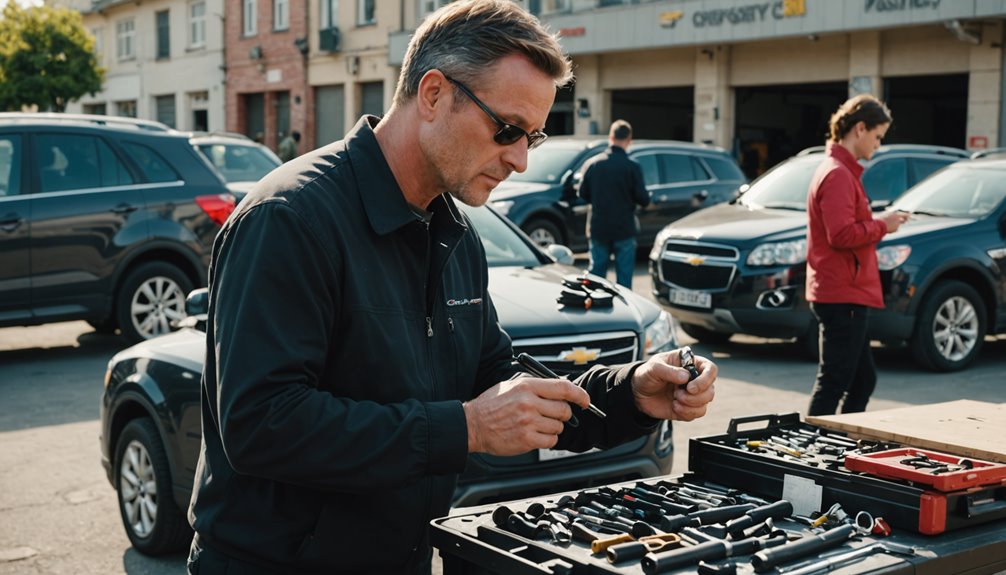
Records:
x=508, y=133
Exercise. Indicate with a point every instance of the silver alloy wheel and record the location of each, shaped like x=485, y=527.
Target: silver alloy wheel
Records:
x=138, y=489
x=955, y=328
x=156, y=303
x=542, y=237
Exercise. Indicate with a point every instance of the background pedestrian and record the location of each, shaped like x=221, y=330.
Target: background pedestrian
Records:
x=288, y=147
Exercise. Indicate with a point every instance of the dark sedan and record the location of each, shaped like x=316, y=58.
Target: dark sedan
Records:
x=150, y=422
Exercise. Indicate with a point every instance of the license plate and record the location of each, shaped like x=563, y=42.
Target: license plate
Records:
x=550, y=454
x=691, y=298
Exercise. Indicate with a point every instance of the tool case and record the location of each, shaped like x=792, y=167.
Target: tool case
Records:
x=900, y=497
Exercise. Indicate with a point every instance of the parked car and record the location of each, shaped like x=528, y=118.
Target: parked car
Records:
x=103, y=219
x=241, y=161
x=150, y=414
x=760, y=267
x=681, y=177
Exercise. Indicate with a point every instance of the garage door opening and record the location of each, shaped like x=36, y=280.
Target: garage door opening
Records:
x=655, y=113
x=776, y=122
x=928, y=110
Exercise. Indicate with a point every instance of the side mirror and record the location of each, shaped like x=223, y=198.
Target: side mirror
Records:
x=561, y=254
x=197, y=302
x=743, y=188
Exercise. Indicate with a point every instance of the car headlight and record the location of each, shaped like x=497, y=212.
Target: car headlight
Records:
x=779, y=253
x=658, y=242
x=890, y=257
x=661, y=335
x=503, y=206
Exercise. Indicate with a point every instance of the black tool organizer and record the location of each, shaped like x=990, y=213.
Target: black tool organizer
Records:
x=903, y=504
x=474, y=542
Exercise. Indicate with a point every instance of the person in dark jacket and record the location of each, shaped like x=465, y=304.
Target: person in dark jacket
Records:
x=613, y=186
x=353, y=353
x=843, y=280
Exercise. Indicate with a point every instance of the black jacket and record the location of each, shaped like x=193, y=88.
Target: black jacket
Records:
x=613, y=185
x=343, y=335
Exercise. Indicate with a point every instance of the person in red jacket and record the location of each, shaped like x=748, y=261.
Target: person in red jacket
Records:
x=843, y=280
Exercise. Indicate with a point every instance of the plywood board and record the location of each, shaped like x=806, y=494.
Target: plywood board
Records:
x=963, y=427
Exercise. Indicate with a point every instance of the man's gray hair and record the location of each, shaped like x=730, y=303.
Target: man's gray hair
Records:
x=620, y=130
x=462, y=39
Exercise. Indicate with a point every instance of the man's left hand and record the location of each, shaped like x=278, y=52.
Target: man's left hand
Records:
x=660, y=391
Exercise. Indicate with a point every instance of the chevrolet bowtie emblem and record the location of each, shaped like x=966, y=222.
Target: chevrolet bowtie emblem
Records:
x=580, y=355
x=696, y=260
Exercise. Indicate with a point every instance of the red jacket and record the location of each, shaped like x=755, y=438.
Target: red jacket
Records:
x=842, y=235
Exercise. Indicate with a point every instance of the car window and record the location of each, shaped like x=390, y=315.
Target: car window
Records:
x=724, y=169
x=679, y=168
x=922, y=167
x=10, y=165
x=651, y=169
x=886, y=179
x=502, y=244
x=238, y=162
x=785, y=186
x=75, y=162
x=956, y=193
x=153, y=166
x=546, y=164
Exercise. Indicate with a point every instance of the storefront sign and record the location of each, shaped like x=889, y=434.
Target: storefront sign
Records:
x=899, y=5
x=568, y=32
x=978, y=142
x=751, y=13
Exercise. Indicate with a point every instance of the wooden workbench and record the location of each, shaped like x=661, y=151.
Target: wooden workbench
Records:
x=963, y=427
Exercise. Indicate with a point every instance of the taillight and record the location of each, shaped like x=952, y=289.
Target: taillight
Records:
x=217, y=206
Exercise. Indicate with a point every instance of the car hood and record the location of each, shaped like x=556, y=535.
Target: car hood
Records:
x=241, y=189
x=507, y=189
x=740, y=225
x=921, y=225
x=185, y=347
x=525, y=300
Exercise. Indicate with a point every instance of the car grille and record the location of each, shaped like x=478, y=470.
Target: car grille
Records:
x=573, y=355
x=698, y=266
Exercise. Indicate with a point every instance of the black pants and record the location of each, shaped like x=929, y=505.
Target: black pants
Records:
x=204, y=560
x=845, y=368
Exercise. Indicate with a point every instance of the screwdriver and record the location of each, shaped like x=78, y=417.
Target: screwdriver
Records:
x=538, y=369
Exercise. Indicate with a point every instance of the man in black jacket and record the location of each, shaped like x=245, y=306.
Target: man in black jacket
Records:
x=613, y=186
x=342, y=393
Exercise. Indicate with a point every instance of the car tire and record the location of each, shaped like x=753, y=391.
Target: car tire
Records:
x=105, y=326
x=154, y=523
x=950, y=327
x=705, y=335
x=151, y=299
x=543, y=232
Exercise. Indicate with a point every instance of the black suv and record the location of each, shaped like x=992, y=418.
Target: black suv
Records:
x=741, y=268
x=150, y=425
x=103, y=219
x=681, y=177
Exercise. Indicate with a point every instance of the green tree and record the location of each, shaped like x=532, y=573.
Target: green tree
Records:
x=46, y=58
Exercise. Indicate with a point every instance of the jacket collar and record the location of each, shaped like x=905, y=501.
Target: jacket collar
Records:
x=845, y=158
x=382, y=198
x=613, y=149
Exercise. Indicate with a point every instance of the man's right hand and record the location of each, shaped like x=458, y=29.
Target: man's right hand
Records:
x=894, y=219
x=521, y=415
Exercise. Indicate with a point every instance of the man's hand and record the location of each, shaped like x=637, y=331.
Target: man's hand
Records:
x=659, y=387
x=520, y=415
x=894, y=219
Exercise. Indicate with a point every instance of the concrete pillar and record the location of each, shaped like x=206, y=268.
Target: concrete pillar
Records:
x=864, y=64
x=588, y=88
x=714, y=104
x=985, y=82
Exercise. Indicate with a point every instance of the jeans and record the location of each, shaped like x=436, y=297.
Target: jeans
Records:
x=625, y=259
x=846, y=366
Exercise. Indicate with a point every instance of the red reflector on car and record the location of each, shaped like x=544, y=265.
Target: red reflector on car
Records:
x=217, y=206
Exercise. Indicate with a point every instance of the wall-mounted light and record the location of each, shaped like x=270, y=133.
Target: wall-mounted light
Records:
x=352, y=65
x=255, y=53
x=583, y=108
x=964, y=33
x=709, y=53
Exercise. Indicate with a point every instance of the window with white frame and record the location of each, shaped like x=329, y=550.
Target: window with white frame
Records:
x=99, y=43
x=125, y=39
x=427, y=7
x=365, y=12
x=197, y=24
x=329, y=14
x=250, y=15
x=280, y=14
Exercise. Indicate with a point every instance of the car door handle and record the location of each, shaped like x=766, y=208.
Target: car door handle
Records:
x=124, y=209
x=10, y=222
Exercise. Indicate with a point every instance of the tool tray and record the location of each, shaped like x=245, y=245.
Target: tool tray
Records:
x=771, y=472
x=891, y=464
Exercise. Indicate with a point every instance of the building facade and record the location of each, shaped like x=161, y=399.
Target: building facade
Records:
x=163, y=59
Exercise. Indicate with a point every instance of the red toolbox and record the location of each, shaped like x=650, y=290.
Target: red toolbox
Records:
x=904, y=503
x=942, y=471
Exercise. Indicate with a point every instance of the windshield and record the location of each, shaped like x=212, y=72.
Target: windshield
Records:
x=958, y=192
x=784, y=186
x=546, y=164
x=502, y=244
x=239, y=163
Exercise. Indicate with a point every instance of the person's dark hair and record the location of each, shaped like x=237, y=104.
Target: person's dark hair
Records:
x=464, y=38
x=296, y=135
x=862, y=108
x=620, y=130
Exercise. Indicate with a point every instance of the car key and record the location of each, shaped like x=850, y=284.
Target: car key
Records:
x=536, y=368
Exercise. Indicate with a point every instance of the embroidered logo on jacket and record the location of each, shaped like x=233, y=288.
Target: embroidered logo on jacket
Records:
x=466, y=301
